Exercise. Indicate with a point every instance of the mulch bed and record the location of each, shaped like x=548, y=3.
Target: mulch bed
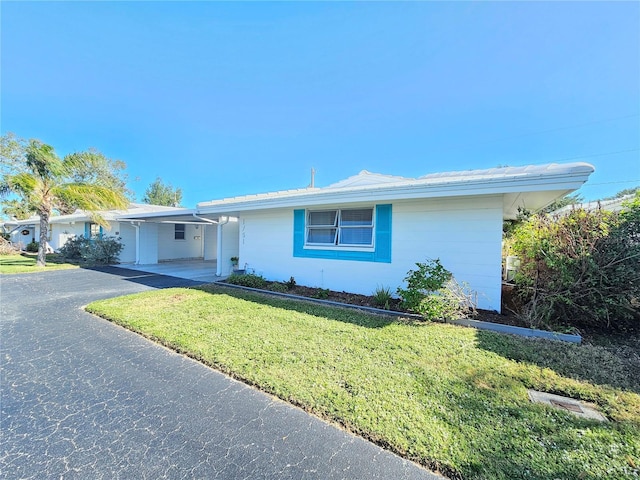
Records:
x=369, y=301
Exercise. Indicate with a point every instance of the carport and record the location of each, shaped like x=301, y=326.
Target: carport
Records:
x=183, y=244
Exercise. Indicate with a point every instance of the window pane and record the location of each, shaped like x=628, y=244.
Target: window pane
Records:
x=356, y=236
x=179, y=231
x=322, y=235
x=356, y=217
x=322, y=218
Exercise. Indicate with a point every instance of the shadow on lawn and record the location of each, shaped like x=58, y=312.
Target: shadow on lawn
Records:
x=617, y=367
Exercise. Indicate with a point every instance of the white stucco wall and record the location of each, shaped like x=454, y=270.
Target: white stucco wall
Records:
x=210, y=242
x=230, y=248
x=171, y=249
x=148, y=243
x=127, y=234
x=464, y=232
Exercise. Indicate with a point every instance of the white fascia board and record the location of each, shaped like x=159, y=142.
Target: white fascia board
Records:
x=151, y=215
x=569, y=182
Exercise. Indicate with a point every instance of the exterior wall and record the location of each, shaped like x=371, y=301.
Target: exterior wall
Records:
x=61, y=232
x=171, y=249
x=230, y=239
x=18, y=239
x=148, y=243
x=464, y=232
x=127, y=234
x=210, y=242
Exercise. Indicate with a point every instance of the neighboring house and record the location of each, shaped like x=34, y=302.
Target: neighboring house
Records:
x=365, y=231
x=611, y=205
x=79, y=223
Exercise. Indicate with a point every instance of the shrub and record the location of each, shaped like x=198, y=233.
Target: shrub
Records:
x=581, y=269
x=291, y=283
x=74, y=247
x=433, y=293
x=382, y=297
x=322, y=293
x=247, y=280
x=101, y=250
x=278, y=287
x=32, y=246
x=6, y=248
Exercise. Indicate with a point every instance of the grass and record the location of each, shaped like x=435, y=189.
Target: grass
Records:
x=26, y=263
x=450, y=398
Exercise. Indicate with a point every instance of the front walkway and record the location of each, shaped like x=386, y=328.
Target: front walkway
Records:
x=198, y=269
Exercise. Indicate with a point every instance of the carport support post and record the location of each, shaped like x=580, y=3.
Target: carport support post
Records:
x=221, y=222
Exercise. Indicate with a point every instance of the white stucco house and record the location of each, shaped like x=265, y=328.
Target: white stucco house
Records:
x=354, y=235
x=370, y=229
x=79, y=223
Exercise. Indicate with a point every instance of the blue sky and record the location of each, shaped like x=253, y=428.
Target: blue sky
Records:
x=224, y=99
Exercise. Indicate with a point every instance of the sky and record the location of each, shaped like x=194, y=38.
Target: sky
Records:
x=224, y=99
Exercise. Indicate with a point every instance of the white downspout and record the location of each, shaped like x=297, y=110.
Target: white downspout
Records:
x=137, y=227
x=219, y=246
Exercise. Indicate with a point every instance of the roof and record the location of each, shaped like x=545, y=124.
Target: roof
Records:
x=532, y=187
x=109, y=215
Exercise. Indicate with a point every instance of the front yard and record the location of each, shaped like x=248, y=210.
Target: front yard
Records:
x=26, y=262
x=450, y=398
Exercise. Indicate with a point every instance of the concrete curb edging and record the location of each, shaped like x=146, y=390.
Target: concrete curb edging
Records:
x=463, y=322
x=524, y=332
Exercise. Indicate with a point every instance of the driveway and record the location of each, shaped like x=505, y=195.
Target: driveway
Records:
x=84, y=398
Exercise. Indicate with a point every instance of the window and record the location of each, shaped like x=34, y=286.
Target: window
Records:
x=178, y=233
x=94, y=230
x=346, y=227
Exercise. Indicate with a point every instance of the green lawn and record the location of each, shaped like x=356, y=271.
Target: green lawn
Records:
x=26, y=262
x=448, y=397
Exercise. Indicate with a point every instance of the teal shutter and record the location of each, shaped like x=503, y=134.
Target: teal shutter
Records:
x=87, y=230
x=298, y=233
x=383, y=234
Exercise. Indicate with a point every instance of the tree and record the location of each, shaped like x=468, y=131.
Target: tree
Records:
x=18, y=209
x=160, y=193
x=46, y=182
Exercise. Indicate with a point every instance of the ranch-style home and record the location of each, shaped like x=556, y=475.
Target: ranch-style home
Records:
x=360, y=233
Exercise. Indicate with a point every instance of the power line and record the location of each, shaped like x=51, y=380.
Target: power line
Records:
x=598, y=154
x=594, y=122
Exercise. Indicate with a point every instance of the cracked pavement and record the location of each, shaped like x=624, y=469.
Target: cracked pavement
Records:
x=84, y=398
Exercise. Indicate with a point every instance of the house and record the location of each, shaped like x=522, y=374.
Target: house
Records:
x=370, y=229
x=365, y=231
x=610, y=205
x=80, y=223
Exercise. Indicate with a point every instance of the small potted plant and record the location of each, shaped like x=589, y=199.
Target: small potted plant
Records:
x=234, y=262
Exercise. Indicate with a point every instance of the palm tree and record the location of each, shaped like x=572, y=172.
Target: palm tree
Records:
x=46, y=182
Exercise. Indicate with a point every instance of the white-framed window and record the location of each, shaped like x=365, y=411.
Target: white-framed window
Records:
x=94, y=230
x=351, y=227
x=179, y=229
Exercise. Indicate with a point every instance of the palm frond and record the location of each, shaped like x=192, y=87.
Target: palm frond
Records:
x=91, y=198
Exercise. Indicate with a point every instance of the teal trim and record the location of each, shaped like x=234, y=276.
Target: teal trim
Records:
x=381, y=253
x=87, y=230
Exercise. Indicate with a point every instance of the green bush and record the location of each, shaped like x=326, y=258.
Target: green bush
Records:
x=32, y=246
x=247, y=280
x=73, y=248
x=580, y=269
x=433, y=293
x=291, y=283
x=278, y=287
x=100, y=250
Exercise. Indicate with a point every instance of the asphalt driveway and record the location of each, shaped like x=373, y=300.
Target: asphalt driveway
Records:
x=83, y=398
